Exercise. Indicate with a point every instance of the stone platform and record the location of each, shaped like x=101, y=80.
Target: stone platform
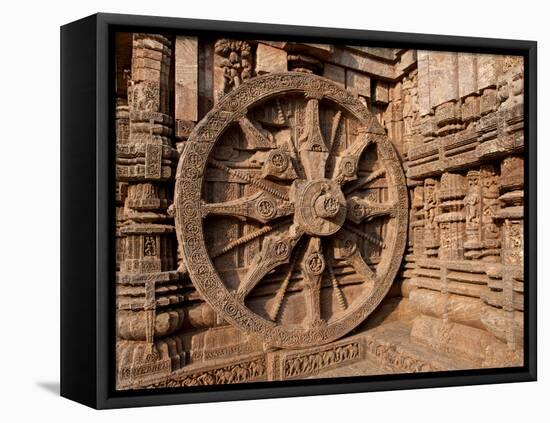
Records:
x=385, y=349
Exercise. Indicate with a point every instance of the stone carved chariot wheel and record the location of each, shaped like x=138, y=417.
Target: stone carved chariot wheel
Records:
x=291, y=209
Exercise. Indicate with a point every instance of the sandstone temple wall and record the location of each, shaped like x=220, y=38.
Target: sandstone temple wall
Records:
x=456, y=120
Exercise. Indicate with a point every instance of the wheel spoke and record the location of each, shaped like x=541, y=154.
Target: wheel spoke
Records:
x=257, y=137
x=280, y=295
x=334, y=131
x=262, y=207
x=360, y=210
x=313, y=266
x=312, y=148
x=246, y=238
x=365, y=180
x=264, y=185
x=372, y=238
x=347, y=163
x=278, y=165
x=361, y=267
x=336, y=286
x=347, y=248
x=276, y=250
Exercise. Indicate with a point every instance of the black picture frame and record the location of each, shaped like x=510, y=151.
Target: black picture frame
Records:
x=87, y=213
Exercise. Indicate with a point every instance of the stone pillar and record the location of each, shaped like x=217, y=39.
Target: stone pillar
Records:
x=481, y=206
x=505, y=301
x=417, y=221
x=145, y=164
x=121, y=190
x=451, y=219
x=149, y=144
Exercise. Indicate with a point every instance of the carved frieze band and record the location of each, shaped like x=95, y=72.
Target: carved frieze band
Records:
x=245, y=371
x=295, y=365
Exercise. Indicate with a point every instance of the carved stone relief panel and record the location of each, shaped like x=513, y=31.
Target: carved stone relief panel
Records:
x=290, y=210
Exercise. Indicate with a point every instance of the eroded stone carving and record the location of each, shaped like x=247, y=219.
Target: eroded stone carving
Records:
x=236, y=63
x=368, y=221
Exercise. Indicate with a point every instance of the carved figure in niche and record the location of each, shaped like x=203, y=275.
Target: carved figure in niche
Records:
x=410, y=104
x=489, y=181
x=513, y=243
x=471, y=200
x=145, y=96
x=491, y=231
x=237, y=62
x=445, y=229
x=418, y=197
x=431, y=236
x=472, y=209
x=416, y=230
x=149, y=249
x=430, y=204
x=490, y=193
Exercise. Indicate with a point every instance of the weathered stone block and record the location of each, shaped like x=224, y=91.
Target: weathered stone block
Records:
x=456, y=308
x=467, y=74
x=470, y=108
x=486, y=71
x=407, y=60
x=452, y=338
x=360, y=62
x=335, y=73
x=488, y=101
x=381, y=93
x=186, y=78
x=424, y=103
x=358, y=83
x=443, y=77
x=270, y=59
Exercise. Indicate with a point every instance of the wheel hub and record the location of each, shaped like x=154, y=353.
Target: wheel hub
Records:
x=320, y=206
